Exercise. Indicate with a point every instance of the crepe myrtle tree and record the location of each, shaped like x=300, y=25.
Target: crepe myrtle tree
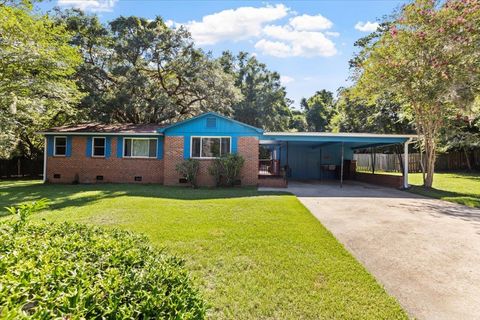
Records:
x=428, y=55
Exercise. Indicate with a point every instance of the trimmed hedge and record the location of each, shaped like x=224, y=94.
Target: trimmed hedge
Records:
x=74, y=271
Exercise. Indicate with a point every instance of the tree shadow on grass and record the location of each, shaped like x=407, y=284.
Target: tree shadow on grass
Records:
x=470, y=200
x=63, y=196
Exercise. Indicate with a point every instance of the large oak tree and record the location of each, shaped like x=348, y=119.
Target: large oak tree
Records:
x=141, y=71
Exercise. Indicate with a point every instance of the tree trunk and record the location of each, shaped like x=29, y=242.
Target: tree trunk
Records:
x=430, y=155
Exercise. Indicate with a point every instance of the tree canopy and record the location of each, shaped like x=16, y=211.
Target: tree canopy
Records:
x=264, y=103
x=36, y=88
x=141, y=71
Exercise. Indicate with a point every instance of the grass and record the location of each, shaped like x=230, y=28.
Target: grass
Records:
x=459, y=187
x=254, y=255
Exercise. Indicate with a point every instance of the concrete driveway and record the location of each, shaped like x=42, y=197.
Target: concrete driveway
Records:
x=425, y=252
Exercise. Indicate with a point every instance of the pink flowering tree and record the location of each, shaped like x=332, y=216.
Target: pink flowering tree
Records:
x=428, y=56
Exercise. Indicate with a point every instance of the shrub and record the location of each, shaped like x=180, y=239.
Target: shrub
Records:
x=227, y=167
x=216, y=170
x=189, y=169
x=72, y=271
x=25, y=210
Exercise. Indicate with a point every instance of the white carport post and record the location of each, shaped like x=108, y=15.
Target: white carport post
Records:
x=341, y=167
x=405, y=164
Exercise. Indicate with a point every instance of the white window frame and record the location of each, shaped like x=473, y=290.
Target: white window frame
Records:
x=139, y=157
x=104, y=147
x=201, y=137
x=55, y=146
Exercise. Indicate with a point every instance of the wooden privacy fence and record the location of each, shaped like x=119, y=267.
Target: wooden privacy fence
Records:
x=391, y=162
x=20, y=167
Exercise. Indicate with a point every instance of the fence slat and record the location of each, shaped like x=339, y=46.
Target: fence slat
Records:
x=391, y=163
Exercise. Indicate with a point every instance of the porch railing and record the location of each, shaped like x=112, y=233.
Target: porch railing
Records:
x=268, y=167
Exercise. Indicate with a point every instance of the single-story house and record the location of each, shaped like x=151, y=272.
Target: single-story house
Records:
x=149, y=153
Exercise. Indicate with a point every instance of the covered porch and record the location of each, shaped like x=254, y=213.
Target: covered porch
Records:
x=319, y=156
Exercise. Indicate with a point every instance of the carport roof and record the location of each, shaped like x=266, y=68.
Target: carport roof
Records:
x=355, y=140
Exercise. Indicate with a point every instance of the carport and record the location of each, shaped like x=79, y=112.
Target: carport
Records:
x=322, y=155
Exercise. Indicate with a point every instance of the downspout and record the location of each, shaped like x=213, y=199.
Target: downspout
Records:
x=45, y=161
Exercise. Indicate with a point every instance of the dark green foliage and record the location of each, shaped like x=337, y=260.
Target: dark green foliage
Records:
x=141, y=71
x=227, y=169
x=73, y=271
x=383, y=115
x=319, y=110
x=189, y=168
x=264, y=101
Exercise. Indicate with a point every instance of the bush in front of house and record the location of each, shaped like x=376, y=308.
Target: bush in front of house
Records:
x=189, y=169
x=226, y=170
x=73, y=271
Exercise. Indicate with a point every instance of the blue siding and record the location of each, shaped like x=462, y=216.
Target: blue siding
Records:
x=120, y=147
x=199, y=126
x=50, y=146
x=108, y=147
x=88, y=149
x=68, y=152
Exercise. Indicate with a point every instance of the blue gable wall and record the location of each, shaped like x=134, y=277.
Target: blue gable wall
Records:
x=210, y=124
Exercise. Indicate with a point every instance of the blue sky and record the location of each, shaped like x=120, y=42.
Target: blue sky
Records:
x=308, y=42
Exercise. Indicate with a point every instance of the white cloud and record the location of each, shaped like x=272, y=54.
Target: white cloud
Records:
x=366, y=26
x=234, y=24
x=295, y=43
x=286, y=79
x=274, y=48
x=170, y=23
x=89, y=5
x=310, y=23
x=332, y=34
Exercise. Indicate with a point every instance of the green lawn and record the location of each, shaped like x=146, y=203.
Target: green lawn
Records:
x=254, y=255
x=459, y=187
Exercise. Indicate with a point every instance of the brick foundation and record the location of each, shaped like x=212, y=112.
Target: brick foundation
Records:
x=272, y=182
x=380, y=179
x=113, y=169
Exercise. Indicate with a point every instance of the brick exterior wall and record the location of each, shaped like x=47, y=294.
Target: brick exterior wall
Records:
x=380, y=179
x=113, y=169
x=248, y=148
x=123, y=170
x=173, y=155
x=272, y=182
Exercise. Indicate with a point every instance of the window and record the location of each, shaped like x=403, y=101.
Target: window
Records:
x=210, y=147
x=140, y=148
x=60, y=146
x=98, y=147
